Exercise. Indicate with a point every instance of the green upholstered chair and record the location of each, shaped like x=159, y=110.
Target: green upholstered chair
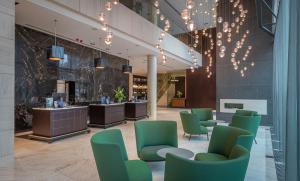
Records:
x=191, y=125
x=249, y=122
x=205, y=116
x=243, y=112
x=152, y=136
x=112, y=160
x=233, y=169
x=222, y=140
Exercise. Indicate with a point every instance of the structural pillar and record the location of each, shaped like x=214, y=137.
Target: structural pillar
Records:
x=152, y=85
x=7, y=79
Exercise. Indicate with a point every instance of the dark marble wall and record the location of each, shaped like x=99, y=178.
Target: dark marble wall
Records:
x=36, y=76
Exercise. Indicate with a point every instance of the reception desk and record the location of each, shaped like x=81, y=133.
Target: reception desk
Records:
x=106, y=115
x=136, y=110
x=50, y=124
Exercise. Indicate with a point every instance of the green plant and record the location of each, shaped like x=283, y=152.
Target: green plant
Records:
x=179, y=94
x=119, y=94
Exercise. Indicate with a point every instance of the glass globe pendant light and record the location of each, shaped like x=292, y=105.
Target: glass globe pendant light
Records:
x=108, y=6
x=116, y=2
x=190, y=4
x=185, y=14
x=191, y=25
x=101, y=17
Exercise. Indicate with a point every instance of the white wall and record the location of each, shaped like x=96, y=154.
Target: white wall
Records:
x=7, y=71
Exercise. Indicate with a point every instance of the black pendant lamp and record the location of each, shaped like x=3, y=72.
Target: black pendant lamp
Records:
x=100, y=62
x=54, y=52
x=127, y=69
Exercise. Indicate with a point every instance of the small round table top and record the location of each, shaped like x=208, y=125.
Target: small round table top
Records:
x=181, y=152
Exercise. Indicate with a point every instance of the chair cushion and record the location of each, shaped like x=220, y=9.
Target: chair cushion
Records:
x=208, y=123
x=210, y=157
x=138, y=170
x=149, y=153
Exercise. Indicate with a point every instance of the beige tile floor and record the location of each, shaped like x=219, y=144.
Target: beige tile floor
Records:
x=72, y=158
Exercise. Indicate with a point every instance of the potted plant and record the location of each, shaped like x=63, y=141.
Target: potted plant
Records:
x=179, y=94
x=119, y=94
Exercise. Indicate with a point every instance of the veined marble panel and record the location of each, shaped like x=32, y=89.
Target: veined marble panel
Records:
x=36, y=77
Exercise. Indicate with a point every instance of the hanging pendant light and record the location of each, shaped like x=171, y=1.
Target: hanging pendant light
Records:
x=190, y=4
x=127, y=69
x=100, y=62
x=191, y=25
x=54, y=52
x=185, y=14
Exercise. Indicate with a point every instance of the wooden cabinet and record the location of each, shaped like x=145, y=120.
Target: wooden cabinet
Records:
x=50, y=124
x=135, y=110
x=106, y=115
x=178, y=102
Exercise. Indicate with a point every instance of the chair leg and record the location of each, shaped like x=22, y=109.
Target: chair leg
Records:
x=255, y=141
x=190, y=137
x=207, y=136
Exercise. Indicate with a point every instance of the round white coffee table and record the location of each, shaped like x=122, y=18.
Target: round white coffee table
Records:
x=181, y=152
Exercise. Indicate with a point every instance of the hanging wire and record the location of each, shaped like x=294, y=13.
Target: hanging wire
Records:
x=55, y=21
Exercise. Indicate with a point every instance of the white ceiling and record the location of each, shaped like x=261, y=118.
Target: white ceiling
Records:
x=41, y=19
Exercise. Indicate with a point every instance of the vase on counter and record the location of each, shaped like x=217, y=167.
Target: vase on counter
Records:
x=49, y=102
x=107, y=100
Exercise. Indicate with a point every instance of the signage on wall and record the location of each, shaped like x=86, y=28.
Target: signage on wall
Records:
x=231, y=105
x=234, y=106
x=61, y=86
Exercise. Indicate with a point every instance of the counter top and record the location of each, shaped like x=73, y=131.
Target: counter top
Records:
x=141, y=102
x=114, y=104
x=54, y=109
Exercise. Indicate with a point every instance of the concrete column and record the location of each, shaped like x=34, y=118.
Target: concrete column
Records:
x=152, y=85
x=7, y=78
x=130, y=83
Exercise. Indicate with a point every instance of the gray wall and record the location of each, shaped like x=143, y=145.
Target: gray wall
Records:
x=7, y=71
x=257, y=83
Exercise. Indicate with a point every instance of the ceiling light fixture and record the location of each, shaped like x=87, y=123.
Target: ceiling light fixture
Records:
x=54, y=52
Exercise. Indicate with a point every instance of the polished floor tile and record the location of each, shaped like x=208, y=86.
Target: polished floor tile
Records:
x=72, y=158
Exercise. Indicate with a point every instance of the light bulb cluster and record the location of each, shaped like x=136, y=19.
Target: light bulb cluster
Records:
x=194, y=65
x=207, y=10
x=208, y=52
x=233, y=25
x=102, y=18
x=167, y=24
x=193, y=9
x=159, y=47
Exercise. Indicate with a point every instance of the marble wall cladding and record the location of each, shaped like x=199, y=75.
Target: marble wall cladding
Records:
x=36, y=76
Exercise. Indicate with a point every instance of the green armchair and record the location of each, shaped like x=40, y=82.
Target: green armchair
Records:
x=152, y=136
x=191, y=125
x=247, y=120
x=243, y=112
x=112, y=160
x=234, y=168
x=205, y=116
x=222, y=140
